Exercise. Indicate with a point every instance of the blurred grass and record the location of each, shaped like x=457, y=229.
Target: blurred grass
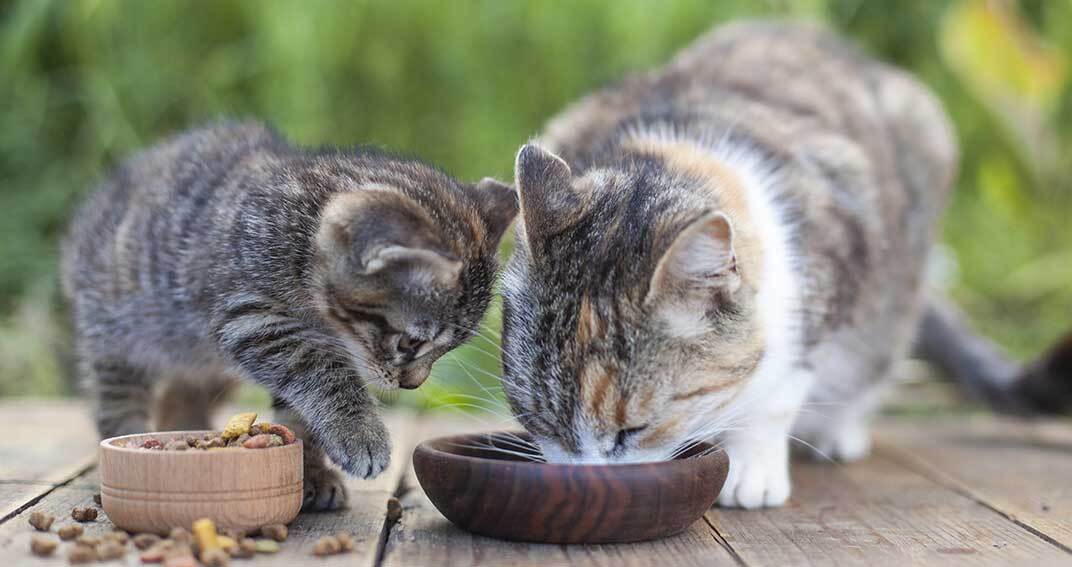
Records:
x=463, y=84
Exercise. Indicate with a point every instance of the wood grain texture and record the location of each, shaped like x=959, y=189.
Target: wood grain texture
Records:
x=424, y=537
x=1021, y=469
x=45, y=443
x=500, y=495
x=364, y=519
x=154, y=491
x=878, y=512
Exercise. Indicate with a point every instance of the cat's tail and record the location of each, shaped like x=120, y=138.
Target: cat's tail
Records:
x=1043, y=386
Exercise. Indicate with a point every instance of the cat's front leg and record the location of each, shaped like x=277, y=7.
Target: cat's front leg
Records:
x=758, y=448
x=323, y=487
x=305, y=370
x=759, y=466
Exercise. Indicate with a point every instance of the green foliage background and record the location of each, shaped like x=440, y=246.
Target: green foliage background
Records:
x=463, y=84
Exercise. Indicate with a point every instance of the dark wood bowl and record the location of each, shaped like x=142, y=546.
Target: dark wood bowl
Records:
x=505, y=496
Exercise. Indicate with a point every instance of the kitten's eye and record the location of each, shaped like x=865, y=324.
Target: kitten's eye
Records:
x=410, y=347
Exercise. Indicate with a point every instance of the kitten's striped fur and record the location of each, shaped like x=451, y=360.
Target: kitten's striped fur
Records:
x=226, y=253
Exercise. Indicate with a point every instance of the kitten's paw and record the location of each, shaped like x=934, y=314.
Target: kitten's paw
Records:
x=757, y=479
x=363, y=451
x=324, y=490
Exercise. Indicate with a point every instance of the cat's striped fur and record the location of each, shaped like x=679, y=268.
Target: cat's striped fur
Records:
x=227, y=253
x=718, y=243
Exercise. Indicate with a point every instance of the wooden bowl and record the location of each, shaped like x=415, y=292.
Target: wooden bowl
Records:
x=503, y=496
x=154, y=491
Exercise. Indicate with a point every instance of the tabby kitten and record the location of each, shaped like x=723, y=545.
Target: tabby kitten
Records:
x=720, y=243
x=226, y=253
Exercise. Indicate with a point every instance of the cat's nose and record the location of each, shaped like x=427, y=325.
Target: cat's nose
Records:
x=412, y=380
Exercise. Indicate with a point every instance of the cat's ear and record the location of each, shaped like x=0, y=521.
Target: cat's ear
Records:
x=543, y=187
x=700, y=261
x=498, y=205
x=381, y=232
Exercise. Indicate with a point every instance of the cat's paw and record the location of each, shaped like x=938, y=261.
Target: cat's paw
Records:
x=323, y=490
x=846, y=443
x=758, y=478
x=362, y=450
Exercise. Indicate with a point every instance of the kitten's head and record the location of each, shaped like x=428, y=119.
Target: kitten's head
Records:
x=627, y=315
x=406, y=265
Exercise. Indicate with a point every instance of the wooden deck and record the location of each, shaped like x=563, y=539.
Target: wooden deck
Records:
x=940, y=490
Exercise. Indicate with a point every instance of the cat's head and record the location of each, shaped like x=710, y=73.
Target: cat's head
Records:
x=406, y=266
x=628, y=313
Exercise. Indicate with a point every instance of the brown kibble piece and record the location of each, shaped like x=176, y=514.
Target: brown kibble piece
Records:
x=215, y=558
x=277, y=532
x=176, y=445
x=41, y=521
x=69, y=532
x=145, y=541
x=152, y=444
x=86, y=514
x=181, y=535
x=157, y=552
x=394, y=510
x=118, y=536
x=181, y=561
x=282, y=431
x=245, y=548
x=259, y=441
x=327, y=545
x=42, y=546
x=110, y=549
x=346, y=542
x=81, y=554
x=97, y=499
x=92, y=541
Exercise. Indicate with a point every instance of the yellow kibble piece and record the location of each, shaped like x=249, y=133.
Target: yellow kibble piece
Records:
x=205, y=534
x=238, y=425
x=225, y=542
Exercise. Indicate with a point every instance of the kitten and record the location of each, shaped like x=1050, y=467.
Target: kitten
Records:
x=729, y=247
x=226, y=253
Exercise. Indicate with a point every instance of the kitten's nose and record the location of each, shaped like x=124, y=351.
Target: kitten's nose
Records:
x=413, y=379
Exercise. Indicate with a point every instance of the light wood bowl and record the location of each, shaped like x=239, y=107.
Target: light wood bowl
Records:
x=154, y=491
x=504, y=496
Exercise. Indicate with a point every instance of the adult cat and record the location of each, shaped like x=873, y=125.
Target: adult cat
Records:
x=727, y=240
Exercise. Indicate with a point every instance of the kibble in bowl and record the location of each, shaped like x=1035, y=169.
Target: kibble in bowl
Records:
x=149, y=489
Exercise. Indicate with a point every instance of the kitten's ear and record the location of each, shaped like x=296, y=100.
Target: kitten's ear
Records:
x=498, y=205
x=380, y=232
x=543, y=187
x=699, y=262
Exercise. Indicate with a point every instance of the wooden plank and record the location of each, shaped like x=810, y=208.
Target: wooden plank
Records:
x=424, y=537
x=364, y=519
x=1021, y=469
x=46, y=442
x=877, y=512
x=43, y=439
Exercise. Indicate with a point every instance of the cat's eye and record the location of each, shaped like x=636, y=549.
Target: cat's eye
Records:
x=624, y=435
x=410, y=347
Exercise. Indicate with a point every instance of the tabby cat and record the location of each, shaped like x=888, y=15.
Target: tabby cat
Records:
x=226, y=253
x=733, y=247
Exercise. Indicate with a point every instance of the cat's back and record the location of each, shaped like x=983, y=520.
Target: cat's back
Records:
x=133, y=230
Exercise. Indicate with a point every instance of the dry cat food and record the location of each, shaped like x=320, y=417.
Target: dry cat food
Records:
x=277, y=532
x=86, y=514
x=201, y=546
x=41, y=521
x=42, y=546
x=240, y=431
x=69, y=532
